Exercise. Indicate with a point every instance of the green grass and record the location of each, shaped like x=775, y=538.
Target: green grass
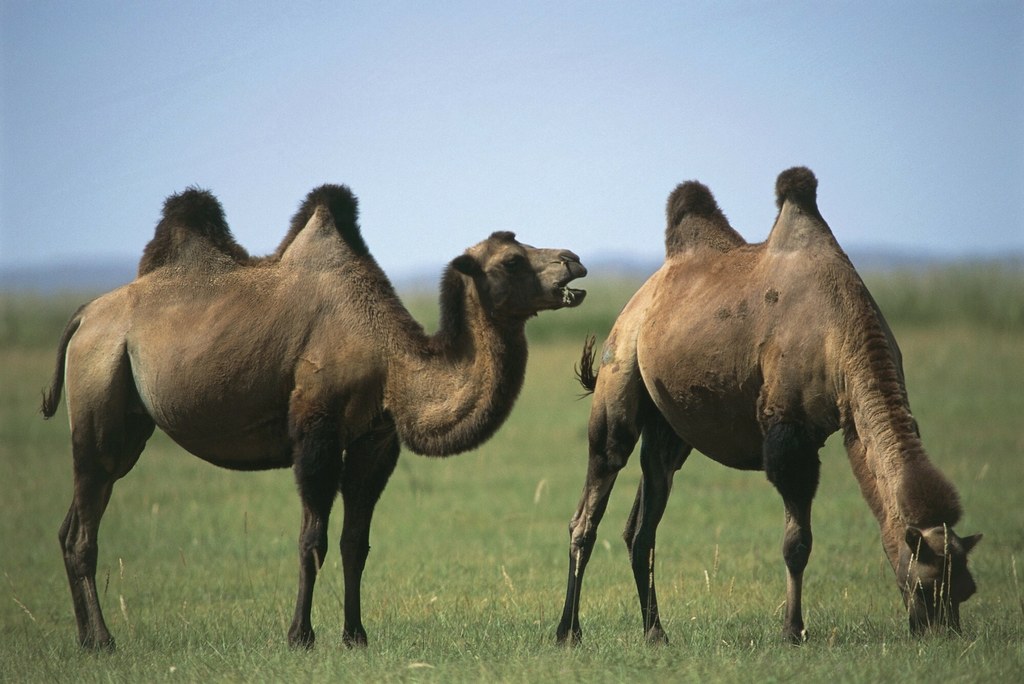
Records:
x=198, y=566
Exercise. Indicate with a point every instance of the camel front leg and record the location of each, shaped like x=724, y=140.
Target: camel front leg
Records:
x=661, y=455
x=369, y=463
x=792, y=465
x=317, y=468
x=796, y=550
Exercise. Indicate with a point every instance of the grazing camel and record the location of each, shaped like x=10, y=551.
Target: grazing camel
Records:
x=753, y=355
x=305, y=358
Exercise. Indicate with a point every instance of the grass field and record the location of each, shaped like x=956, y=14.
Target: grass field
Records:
x=198, y=566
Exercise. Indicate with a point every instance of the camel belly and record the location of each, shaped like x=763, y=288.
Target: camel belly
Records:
x=221, y=414
x=233, y=436
x=723, y=427
x=256, y=450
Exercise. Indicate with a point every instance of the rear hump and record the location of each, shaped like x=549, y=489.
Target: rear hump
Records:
x=191, y=216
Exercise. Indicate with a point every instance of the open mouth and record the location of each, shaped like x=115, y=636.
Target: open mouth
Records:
x=572, y=297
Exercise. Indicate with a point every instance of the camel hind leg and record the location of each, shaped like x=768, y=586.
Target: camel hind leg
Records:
x=99, y=462
x=369, y=462
x=615, y=421
x=662, y=453
x=791, y=464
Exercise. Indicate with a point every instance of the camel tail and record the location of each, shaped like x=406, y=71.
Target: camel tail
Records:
x=51, y=396
x=694, y=219
x=344, y=208
x=585, y=372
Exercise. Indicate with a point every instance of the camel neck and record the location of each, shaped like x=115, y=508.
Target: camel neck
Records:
x=899, y=482
x=453, y=392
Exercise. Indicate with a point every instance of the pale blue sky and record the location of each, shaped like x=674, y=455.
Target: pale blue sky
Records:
x=568, y=122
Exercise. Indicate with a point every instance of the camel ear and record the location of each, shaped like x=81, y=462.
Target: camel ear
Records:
x=915, y=540
x=970, y=542
x=466, y=265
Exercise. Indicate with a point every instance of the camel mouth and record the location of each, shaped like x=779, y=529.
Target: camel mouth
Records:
x=572, y=297
x=565, y=296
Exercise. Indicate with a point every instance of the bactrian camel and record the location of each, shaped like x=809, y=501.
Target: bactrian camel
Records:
x=753, y=355
x=304, y=359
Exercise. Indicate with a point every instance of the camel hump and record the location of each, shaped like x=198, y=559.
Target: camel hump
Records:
x=799, y=223
x=799, y=186
x=344, y=210
x=695, y=220
x=190, y=218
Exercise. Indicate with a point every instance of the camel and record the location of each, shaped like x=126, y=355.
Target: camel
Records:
x=304, y=359
x=753, y=354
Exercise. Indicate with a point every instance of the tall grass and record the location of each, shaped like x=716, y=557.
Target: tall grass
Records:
x=990, y=296
x=198, y=565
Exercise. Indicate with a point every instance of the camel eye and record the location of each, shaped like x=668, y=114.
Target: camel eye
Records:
x=514, y=262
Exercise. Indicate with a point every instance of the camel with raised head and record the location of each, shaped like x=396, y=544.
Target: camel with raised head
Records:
x=753, y=355
x=305, y=359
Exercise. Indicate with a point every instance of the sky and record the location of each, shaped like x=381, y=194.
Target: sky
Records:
x=566, y=122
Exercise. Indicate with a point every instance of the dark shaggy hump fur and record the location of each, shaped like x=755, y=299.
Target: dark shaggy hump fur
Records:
x=694, y=218
x=344, y=208
x=193, y=212
x=798, y=185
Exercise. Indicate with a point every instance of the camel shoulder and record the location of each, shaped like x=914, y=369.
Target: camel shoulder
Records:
x=694, y=221
x=191, y=230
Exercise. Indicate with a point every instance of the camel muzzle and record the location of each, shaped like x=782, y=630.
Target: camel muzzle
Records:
x=574, y=269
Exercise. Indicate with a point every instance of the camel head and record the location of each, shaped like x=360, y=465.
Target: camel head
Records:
x=514, y=281
x=933, y=576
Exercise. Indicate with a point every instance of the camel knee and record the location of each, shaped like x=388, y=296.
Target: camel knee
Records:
x=796, y=551
x=63, y=532
x=80, y=554
x=313, y=541
x=318, y=550
x=582, y=537
x=80, y=558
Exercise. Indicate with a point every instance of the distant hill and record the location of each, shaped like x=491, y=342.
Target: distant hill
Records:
x=97, y=275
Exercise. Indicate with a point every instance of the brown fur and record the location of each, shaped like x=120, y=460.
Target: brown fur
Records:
x=193, y=224
x=753, y=355
x=694, y=220
x=306, y=359
x=344, y=209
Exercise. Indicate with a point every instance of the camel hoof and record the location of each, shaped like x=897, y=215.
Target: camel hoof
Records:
x=795, y=636
x=301, y=639
x=656, y=636
x=568, y=638
x=104, y=645
x=354, y=640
